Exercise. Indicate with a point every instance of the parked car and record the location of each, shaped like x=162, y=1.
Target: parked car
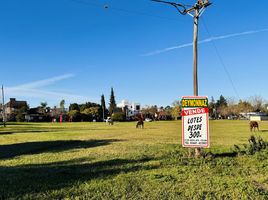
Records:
x=148, y=119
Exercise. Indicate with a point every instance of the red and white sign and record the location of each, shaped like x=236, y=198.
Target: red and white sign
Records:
x=195, y=131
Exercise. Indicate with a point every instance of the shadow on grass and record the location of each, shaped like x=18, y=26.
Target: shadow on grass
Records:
x=29, y=129
x=6, y=132
x=23, y=131
x=12, y=150
x=19, y=123
x=264, y=131
x=32, y=179
x=225, y=155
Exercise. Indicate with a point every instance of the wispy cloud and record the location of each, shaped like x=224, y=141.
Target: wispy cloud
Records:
x=45, y=82
x=32, y=90
x=205, y=41
x=44, y=95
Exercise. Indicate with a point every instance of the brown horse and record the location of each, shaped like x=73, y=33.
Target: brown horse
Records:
x=253, y=125
x=140, y=124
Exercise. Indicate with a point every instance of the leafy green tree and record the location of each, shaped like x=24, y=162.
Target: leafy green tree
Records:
x=92, y=111
x=74, y=106
x=95, y=111
x=87, y=105
x=86, y=114
x=42, y=107
x=244, y=106
x=112, y=102
x=212, y=108
x=88, y=111
x=75, y=115
x=176, y=110
x=82, y=107
x=221, y=107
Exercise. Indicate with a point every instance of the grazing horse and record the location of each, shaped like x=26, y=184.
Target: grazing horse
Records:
x=140, y=124
x=109, y=121
x=253, y=125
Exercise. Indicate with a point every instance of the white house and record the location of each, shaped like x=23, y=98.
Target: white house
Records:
x=255, y=116
x=131, y=109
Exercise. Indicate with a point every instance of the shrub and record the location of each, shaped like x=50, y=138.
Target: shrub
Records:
x=256, y=144
x=75, y=115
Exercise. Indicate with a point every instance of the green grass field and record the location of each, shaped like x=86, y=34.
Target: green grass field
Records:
x=97, y=161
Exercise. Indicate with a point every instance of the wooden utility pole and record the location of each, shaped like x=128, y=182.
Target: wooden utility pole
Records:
x=195, y=11
x=198, y=151
x=195, y=52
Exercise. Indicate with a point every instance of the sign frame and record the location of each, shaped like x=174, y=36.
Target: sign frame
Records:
x=195, y=108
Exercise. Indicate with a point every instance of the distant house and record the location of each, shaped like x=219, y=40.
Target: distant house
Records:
x=46, y=115
x=58, y=114
x=131, y=109
x=258, y=116
x=13, y=106
x=34, y=115
x=254, y=116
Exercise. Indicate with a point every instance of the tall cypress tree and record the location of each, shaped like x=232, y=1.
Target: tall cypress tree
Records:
x=221, y=102
x=112, y=102
x=103, y=107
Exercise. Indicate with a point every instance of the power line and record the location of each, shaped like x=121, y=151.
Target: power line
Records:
x=180, y=7
x=221, y=60
x=106, y=6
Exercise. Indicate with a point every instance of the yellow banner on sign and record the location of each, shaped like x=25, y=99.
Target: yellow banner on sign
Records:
x=190, y=103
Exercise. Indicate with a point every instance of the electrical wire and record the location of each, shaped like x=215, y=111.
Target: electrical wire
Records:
x=90, y=3
x=180, y=7
x=221, y=59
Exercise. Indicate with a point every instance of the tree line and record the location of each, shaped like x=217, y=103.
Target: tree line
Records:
x=229, y=108
x=222, y=108
x=92, y=111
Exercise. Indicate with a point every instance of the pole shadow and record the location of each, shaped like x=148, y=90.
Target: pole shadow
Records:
x=32, y=179
x=9, y=151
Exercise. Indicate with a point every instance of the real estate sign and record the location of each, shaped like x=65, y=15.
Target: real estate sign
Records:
x=195, y=131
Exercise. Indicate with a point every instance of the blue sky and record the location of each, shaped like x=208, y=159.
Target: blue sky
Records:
x=77, y=50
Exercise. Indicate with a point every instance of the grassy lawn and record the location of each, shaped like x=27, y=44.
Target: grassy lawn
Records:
x=97, y=161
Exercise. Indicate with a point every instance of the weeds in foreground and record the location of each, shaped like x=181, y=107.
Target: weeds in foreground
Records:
x=256, y=144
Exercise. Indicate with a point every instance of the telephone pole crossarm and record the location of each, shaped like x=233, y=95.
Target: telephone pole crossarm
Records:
x=200, y=7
